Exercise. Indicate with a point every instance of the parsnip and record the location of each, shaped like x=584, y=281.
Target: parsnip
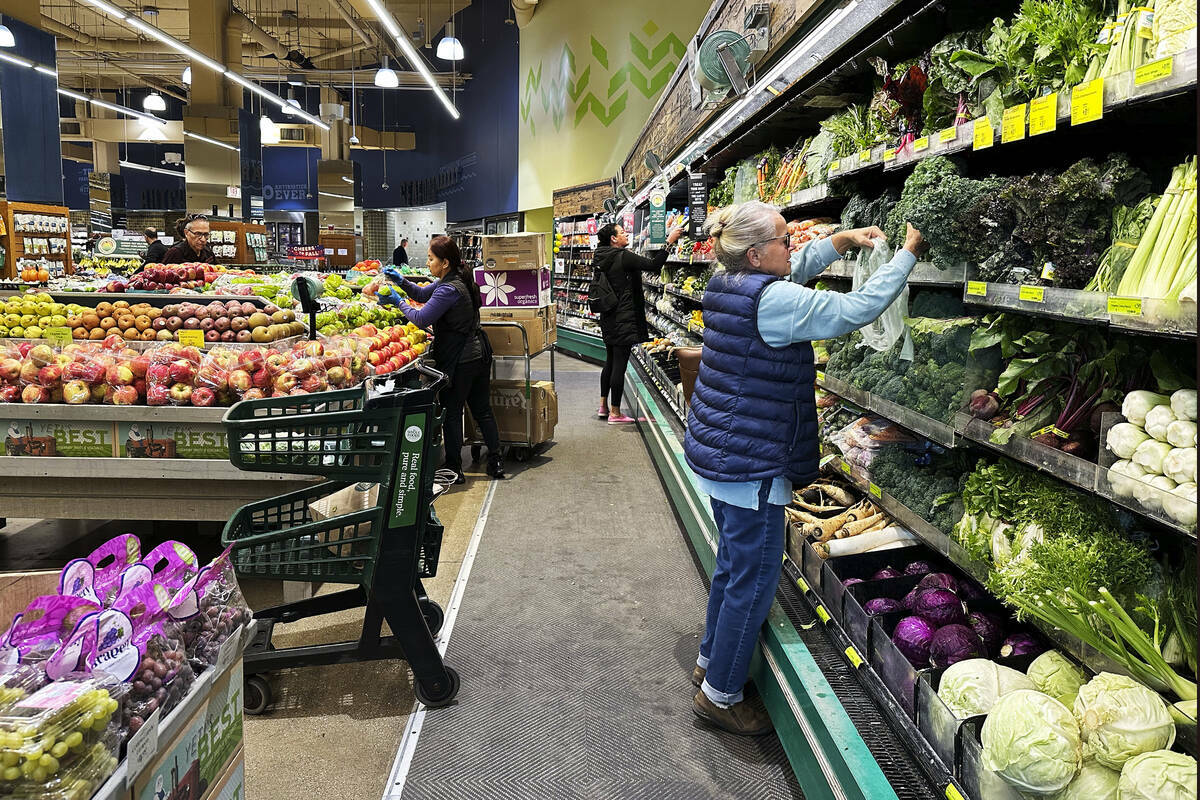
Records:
x=827, y=528
x=863, y=542
x=861, y=526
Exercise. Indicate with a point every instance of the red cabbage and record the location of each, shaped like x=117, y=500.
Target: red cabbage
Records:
x=954, y=643
x=851, y=581
x=910, y=599
x=969, y=590
x=881, y=605
x=918, y=568
x=1021, y=644
x=990, y=629
x=941, y=607
x=884, y=574
x=912, y=637
x=939, y=580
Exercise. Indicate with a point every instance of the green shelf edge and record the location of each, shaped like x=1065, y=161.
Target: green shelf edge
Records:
x=580, y=344
x=829, y=757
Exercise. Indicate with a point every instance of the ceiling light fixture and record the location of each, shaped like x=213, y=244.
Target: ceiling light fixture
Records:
x=414, y=58
x=6, y=37
x=450, y=48
x=154, y=102
x=339, y=196
x=45, y=71
x=215, y=142
x=187, y=76
x=144, y=168
x=129, y=112
x=20, y=62
x=385, y=76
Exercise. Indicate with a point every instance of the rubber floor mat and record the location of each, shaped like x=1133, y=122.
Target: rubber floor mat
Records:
x=576, y=638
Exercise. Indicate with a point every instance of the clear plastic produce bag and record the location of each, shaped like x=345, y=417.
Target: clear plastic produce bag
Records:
x=887, y=329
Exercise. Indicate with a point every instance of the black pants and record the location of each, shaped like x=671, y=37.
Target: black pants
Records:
x=612, y=377
x=470, y=387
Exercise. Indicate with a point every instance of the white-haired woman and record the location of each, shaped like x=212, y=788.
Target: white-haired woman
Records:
x=752, y=425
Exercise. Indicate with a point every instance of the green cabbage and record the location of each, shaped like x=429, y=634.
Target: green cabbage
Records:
x=973, y=686
x=1032, y=741
x=1094, y=782
x=1120, y=718
x=1057, y=676
x=1160, y=775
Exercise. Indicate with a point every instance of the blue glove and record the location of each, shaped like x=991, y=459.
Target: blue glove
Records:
x=387, y=296
x=392, y=273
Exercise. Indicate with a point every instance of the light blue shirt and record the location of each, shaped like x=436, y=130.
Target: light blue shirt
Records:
x=789, y=312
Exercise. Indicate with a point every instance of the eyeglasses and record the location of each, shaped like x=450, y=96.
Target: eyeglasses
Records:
x=783, y=238
x=198, y=235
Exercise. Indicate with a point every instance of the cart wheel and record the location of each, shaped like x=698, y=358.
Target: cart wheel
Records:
x=257, y=694
x=444, y=693
x=521, y=454
x=476, y=452
x=434, y=616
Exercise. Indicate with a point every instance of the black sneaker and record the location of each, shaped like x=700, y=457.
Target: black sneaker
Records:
x=495, y=466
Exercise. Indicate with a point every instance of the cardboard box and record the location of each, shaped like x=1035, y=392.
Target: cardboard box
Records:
x=509, y=404
x=540, y=324
x=514, y=251
x=189, y=765
x=17, y=589
x=232, y=783
x=514, y=288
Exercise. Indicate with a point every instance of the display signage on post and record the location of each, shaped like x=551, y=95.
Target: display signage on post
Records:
x=658, y=216
x=628, y=222
x=697, y=204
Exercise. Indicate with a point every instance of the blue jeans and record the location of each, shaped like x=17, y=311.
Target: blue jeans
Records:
x=749, y=560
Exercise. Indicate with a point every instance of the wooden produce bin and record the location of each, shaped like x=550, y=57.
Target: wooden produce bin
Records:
x=19, y=243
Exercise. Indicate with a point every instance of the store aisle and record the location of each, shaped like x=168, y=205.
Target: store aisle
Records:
x=576, y=637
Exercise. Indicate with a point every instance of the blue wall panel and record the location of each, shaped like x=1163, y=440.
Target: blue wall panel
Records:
x=32, y=153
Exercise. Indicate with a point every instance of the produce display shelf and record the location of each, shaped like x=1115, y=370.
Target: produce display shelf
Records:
x=932, y=429
x=694, y=298
x=111, y=413
x=116, y=787
x=670, y=394
x=1119, y=91
x=580, y=342
x=1078, y=472
x=1144, y=315
x=936, y=771
x=856, y=163
x=152, y=298
x=924, y=274
x=592, y=317
x=691, y=261
x=812, y=196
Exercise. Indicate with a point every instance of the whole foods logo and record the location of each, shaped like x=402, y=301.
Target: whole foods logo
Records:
x=413, y=433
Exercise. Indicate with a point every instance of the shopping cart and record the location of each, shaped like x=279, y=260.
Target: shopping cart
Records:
x=384, y=432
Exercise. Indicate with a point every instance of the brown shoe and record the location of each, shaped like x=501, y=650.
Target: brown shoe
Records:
x=698, y=673
x=744, y=719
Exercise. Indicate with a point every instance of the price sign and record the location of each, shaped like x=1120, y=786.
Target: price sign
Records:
x=59, y=337
x=889, y=154
x=984, y=135
x=1043, y=114
x=854, y=657
x=977, y=288
x=846, y=467
x=821, y=377
x=834, y=166
x=1087, y=102
x=952, y=793
x=658, y=216
x=230, y=649
x=1129, y=306
x=141, y=748
x=1012, y=128
x=827, y=459
x=697, y=203
x=803, y=584
x=1154, y=71
x=947, y=135
x=864, y=156
x=1032, y=294
x=875, y=491
x=191, y=338
x=822, y=614
x=921, y=144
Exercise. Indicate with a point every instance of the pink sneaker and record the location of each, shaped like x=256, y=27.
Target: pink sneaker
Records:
x=618, y=419
x=602, y=413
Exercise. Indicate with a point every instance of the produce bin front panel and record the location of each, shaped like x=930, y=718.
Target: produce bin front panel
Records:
x=149, y=440
x=64, y=438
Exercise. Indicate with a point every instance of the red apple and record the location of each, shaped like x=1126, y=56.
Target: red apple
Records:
x=35, y=394
x=10, y=394
x=76, y=393
x=158, y=395
x=50, y=375
x=10, y=370
x=240, y=380
x=113, y=342
x=125, y=396
x=119, y=375
x=203, y=396
x=285, y=383
x=159, y=374
x=182, y=371
x=181, y=394
x=252, y=394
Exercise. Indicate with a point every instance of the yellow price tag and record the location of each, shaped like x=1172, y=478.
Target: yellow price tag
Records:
x=803, y=584
x=984, y=135
x=823, y=615
x=846, y=467
x=1012, y=128
x=889, y=154
x=834, y=166
x=1087, y=102
x=977, y=288
x=854, y=657
x=875, y=491
x=1154, y=71
x=921, y=144
x=952, y=793
x=821, y=377
x=191, y=338
x=1043, y=114
x=1032, y=294
x=947, y=135
x=1130, y=306
x=864, y=156
x=59, y=337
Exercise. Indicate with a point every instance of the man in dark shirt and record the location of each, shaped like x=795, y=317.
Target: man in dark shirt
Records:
x=156, y=249
x=400, y=254
x=193, y=247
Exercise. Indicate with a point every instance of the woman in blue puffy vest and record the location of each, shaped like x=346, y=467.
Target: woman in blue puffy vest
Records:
x=752, y=424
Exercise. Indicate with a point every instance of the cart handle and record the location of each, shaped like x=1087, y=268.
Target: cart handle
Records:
x=439, y=378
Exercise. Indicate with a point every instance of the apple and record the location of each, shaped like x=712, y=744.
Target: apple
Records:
x=76, y=393
x=174, y=323
x=314, y=349
x=238, y=324
x=222, y=324
x=181, y=394
x=276, y=361
x=41, y=355
x=260, y=378
x=124, y=396
x=192, y=354
x=212, y=334
x=159, y=374
x=24, y=348
x=203, y=396
x=10, y=394
x=285, y=383
x=251, y=394
x=113, y=342
x=207, y=324
x=139, y=364
x=99, y=391
x=213, y=377
x=158, y=395
x=337, y=376
x=35, y=394
x=140, y=385
x=240, y=380
x=375, y=358
x=50, y=375
x=182, y=371
x=159, y=324
x=250, y=360
x=119, y=375
x=315, y=383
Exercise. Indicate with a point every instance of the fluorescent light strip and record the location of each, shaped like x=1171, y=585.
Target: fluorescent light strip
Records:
x=164, y=37
x=216, y=142
x=20, y=62
x=414, y=59
x=83, y=98
x=144, y=168
x=129, y=112
x=45, y=70
x=339, y=196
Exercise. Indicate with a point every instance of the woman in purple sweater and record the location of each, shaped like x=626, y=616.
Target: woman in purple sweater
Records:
x=460, y=349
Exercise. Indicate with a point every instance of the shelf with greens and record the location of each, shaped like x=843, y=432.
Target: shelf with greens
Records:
x=925, y=273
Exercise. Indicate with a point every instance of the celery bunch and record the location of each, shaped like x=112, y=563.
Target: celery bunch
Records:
x=1164, y=264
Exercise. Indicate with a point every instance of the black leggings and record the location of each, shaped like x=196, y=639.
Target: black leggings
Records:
x=470, y=387
x=612, y=377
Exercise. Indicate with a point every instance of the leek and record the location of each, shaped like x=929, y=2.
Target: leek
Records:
x=1164, y=263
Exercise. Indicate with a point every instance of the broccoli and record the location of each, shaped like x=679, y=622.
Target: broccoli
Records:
x=926, y=479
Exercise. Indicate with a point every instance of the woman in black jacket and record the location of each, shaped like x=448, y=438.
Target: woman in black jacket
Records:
x=624, y=326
